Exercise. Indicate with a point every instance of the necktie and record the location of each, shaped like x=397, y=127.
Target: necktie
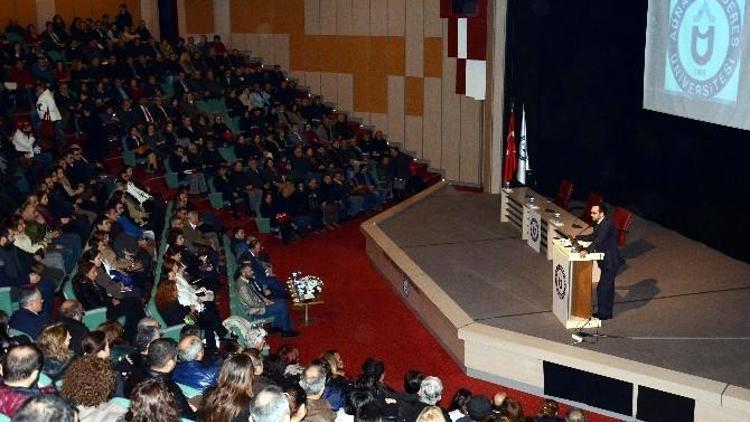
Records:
x=146, y=113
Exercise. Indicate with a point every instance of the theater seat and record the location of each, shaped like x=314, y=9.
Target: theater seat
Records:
x=622, y=219
x=594, y=199
x=564, y=193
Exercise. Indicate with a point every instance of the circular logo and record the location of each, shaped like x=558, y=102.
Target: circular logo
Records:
x=534, y=229
x=561, y=282
x=704, y=45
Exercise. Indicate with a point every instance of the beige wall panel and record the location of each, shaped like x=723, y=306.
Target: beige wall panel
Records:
x=379, y=121
x=363, y=116
x=329, y=88
x=281, y=45
x=252, y=43
x=344, y=17
x=396, y=109
x=471, y=139
x=222, y=18
x=396, y=17
x=299, y=76
x=414, y=38
x=413, y=135
x=312, y=17
x=46, y=9
x=451, y=110
x=432, y=121
x=328, y=17
x=378, y=17
x=237, y=40
x=433, y=26
x=313, y=82
x=360, y=17
x=346, y=92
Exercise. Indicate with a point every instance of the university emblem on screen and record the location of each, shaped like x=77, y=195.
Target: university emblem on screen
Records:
x=561, y=283
x=703, y=52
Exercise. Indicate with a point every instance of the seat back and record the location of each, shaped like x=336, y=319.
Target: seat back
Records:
x=622, y=219
x=594, y=199
x=564, y=193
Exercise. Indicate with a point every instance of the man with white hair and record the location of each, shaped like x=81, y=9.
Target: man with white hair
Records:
x=430, y=393
x=313, y=381
x=191, y=370
x=270, y=405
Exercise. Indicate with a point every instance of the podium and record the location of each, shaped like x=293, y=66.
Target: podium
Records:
x=572, y=276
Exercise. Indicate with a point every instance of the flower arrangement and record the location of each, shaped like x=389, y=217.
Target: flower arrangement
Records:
x=304, y=288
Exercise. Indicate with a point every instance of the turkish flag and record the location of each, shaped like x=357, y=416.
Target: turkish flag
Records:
x=511, y=160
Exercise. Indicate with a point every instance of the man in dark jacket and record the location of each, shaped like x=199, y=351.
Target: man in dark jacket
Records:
x=162, y=359
x=29, y=317
x=71, y=314
x=21, y=370
x=604, y=239
x=191, y=370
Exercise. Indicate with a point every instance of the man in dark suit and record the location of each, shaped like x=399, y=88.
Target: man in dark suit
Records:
x=604, y=239
x=29, y=318
x=71, y=314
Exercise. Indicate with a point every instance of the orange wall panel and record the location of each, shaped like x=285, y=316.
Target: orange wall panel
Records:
x=199, y=16
x=414, y=96
x=396, y=55
x=69, y=9
x=433, y=57
x=24, y=11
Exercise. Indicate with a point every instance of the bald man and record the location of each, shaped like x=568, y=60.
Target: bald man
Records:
x=71, y=315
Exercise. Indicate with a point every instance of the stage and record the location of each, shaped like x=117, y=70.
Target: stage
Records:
x=681, y=309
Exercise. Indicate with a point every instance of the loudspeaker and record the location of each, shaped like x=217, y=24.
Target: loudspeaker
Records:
x=585, y=387
x=659, y=406
x=464, y=7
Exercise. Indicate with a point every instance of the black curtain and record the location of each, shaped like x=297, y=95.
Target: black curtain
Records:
x=168, y=23
x=578, y=68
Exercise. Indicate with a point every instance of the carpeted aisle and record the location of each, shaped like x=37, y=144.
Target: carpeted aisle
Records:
x=363, y=317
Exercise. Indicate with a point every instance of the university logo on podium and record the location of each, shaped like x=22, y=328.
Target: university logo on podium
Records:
x=703, y=48
x=561, y=282
x=535, y=230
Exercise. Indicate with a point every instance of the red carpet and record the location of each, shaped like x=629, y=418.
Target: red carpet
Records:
x=363, y=317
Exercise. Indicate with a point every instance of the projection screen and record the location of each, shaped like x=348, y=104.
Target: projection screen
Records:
x=697, y=60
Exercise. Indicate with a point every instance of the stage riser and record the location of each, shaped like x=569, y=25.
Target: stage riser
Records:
x=445, y=331
x=516, y=360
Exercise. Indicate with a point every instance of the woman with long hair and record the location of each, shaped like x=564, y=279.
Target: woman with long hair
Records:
x=151, y=401
x=54, y=342
x=230, y=399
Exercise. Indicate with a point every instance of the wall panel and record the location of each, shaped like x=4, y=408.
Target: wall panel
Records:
x=432, y=119
x=396, y=17
x=360, y=17
x=414, y=96
x=380, y=122
x=433, y=57
x=24, y=11
x=378, y=17
x=414, y=34
x=433, y=26
x=413, y=135
x=281, y=48
x=252, y=43
x=396, y=109
x=329, y=87
x=237, y=40
x=346, y=92
x=199, y=16
x=451, y=119
x=312, y=17
x=344, y=17
x=313, y=82
x=471, y=139
x=265, y=48
x=328, y=17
